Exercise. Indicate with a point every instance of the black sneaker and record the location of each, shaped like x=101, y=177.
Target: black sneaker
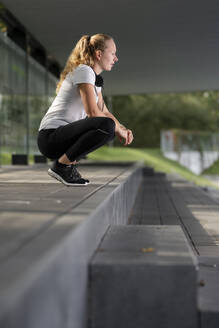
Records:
x=76, y=173
x=67, y=175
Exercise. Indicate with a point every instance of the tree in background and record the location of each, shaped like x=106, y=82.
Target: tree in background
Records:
x=148, y=114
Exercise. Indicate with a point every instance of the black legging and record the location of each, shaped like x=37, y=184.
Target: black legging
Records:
x=76, y=139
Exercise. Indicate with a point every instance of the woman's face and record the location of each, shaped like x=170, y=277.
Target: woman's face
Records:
x=108, y=58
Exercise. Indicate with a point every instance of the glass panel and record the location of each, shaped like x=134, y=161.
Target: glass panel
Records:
x=24, y=99
x=13, y=102
x=36, y=101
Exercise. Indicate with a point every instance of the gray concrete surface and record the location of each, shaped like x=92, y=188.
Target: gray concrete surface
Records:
x=172, y=200
x=177, y=54
x=48, y=234
x=143, y=276
x=208, y=291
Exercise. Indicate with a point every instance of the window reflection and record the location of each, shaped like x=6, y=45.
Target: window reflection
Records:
x=26, y=90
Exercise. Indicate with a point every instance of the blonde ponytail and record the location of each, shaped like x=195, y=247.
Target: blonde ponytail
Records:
x=83, y=53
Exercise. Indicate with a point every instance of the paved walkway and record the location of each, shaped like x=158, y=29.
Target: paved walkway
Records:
x=49, y=231
x=30, y=200
x=171, y=200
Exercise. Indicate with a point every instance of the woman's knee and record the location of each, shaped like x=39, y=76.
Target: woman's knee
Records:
x=108, y=126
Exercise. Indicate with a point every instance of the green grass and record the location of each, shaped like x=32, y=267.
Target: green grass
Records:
x=152, y=158
x=5, y=158
x=214, y=169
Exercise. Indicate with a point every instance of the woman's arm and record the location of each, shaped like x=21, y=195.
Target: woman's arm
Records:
x=120, y=130
x=93, y=110
x=105, y=110
x=88, y=99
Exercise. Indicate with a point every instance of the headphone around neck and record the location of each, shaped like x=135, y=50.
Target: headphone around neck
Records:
x=99, y=80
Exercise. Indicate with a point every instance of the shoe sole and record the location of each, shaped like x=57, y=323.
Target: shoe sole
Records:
x=57, y=177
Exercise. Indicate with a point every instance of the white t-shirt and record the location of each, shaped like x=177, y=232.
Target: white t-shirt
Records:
x=67, y=106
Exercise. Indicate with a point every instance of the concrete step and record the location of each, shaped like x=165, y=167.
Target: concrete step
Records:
x=208, y=291
x=50, y=240
x=143, y=276
x=172, y=200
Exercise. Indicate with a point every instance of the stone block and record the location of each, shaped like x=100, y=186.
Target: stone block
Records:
x=208, y=291
x=19, y=159
x=143, y=276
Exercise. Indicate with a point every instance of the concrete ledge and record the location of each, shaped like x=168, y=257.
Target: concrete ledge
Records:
x=208, y=291
x=45, y=283
x=19, y=159
x=143, y=276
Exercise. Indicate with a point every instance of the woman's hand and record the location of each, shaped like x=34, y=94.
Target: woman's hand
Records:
x=130, y=136
x=125, y=134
